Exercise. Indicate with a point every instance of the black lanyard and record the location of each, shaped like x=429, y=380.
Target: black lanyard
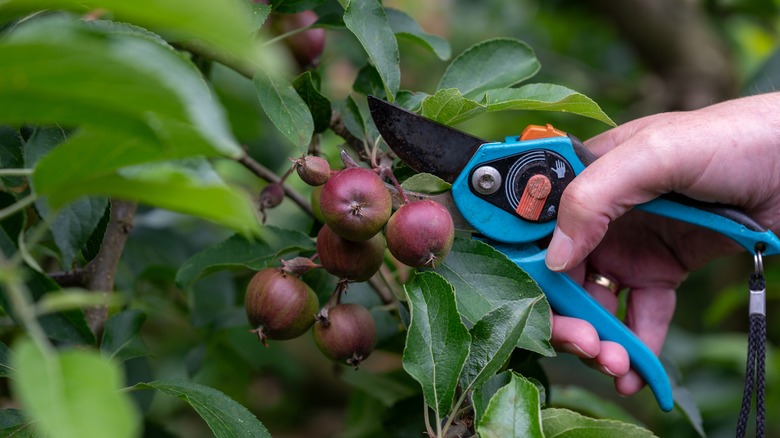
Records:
x=755, y=372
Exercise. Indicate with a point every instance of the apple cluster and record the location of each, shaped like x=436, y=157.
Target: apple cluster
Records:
x=356, y=207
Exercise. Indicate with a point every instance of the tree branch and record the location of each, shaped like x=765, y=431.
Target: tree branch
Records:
x=339, y=128
x=101, y=270
x=264, y=173
x=77, y=278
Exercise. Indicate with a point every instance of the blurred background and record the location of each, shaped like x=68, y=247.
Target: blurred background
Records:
x=634, y=58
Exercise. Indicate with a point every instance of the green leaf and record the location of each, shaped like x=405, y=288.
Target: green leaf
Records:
x=437, y=342
x=188, y=186
x=368, y=21
x=69, y=327
x=562, y=423
x=485, y=279
x=319, y=105
x=225, y=417
x=496, y=63
x=410, y=100
x=406, y=27
x=482, y=395
x=122, y=336
x=13, y=423
x=10, y=155
x=334, y=21
x=42, y=141
x=368, y=82
x=6, y=357
x=351, y=116
x=225, y=25
x=545, y=97
x=72, y=225
x=75, y=393
x=260, y=13
x=493, y=338
x=513, y=411
x=132, y=87
x=237, y=251
x=585, y=402
x=158, y=108
x=684, y=400
x=285, y=108
x=449, y=107
x=426, y=183
x=70, y=299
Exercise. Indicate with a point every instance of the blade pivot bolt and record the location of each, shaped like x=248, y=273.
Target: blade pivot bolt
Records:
x=486, y=180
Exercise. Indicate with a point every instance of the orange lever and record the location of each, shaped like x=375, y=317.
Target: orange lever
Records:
x=535, y=132
x=534, y=196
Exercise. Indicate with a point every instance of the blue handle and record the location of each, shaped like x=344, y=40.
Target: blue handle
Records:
x=569, y=299
x=741, y=233
x=511, y=235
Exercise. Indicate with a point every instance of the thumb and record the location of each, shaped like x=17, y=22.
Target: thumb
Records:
x=629, y=174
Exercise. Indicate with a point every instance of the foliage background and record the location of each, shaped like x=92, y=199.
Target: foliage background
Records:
x=198, y=333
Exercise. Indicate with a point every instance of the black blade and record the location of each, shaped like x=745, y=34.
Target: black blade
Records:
x=425, y=145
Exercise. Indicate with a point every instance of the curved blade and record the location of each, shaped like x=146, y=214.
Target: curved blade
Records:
x=425, y=145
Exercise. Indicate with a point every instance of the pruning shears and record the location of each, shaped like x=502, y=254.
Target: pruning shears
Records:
x=508, y=193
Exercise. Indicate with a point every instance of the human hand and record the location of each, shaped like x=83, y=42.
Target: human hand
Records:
x=727, y=153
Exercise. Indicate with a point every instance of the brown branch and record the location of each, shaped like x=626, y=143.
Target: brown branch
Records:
x=264, y=173
x=101, y=270
x=384, y=292
x=77, y=278
x=339, y=128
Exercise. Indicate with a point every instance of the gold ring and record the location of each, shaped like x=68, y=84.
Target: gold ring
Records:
x=603, y=282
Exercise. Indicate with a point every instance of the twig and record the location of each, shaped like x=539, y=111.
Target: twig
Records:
x=15, y=172
x=286, y=35
x=264, y=173
x=234, y=62
x=21, y=302
x=384, y=292
x=391, y=284
x=18, y=206
x=101, y=270
x=339, y=128
x=77, y=278
x=431, y=433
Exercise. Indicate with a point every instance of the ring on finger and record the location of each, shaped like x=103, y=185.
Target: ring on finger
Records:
x=602, y=281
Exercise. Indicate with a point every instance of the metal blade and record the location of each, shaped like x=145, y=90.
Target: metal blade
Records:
x=424, y=145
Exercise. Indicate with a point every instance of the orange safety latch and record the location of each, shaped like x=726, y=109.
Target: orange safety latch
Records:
x=535, y=132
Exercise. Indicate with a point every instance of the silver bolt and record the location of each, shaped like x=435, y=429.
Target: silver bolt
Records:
x=486, y=180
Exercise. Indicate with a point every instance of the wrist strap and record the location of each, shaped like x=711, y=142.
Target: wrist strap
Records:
x=755, y=369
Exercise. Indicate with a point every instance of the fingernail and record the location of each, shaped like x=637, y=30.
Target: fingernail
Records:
x=576, y=350
x=559, y=251
x=606, y=370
